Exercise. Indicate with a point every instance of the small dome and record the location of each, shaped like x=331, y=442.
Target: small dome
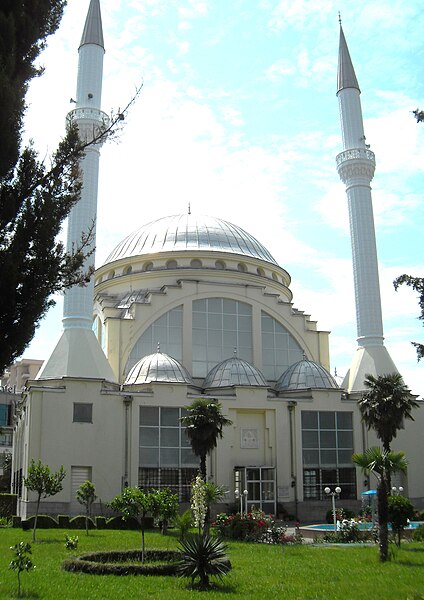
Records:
x=158, y=367
x=303, y=375
x=234, y=371
x=190, y=233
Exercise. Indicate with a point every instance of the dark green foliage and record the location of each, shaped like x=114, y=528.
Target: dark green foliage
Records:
x=43, y=522
x=385, y=406
x=81, y=522
x=8, y=505
x=130, y=523
x=101, y=522
x=416, y=283
x=204, y=423
x=418, y=535
x=341, y=513
x=203, y=557
x=86, y=495
x=22, y=561
x=16, y=521
x=401, y=510
x=107, y=563
x=45, y=483
x=135, y=503
x=24, y=28
x=63, y=521
x=36, y=195
x=164, y=507
x=184, y=523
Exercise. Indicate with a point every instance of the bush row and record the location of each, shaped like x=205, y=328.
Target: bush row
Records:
x=108, y=563
x=8, y=504
x=78, y=522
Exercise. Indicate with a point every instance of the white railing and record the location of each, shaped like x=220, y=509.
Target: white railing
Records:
x=355, y=153
x=88, y=114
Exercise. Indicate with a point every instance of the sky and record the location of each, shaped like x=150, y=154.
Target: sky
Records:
x=238, y=117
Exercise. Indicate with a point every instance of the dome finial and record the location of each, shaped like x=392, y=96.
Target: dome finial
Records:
x=235, y=351
x=158, y=348
x=189, y=209
x=340, y=19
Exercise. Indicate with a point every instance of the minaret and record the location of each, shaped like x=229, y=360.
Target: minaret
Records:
x=356, y=166
x=78, y=353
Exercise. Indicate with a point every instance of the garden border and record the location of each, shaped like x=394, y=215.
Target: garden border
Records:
x=104, y=563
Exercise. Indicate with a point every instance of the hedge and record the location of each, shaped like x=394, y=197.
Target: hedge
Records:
x=8, y=504
x=107, y=563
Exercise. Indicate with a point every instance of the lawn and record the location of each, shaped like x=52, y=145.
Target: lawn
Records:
x=259, y=571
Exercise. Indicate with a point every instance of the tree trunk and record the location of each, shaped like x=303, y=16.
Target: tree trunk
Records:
x=383, y=516
x=86, y=519
x=203, y=466
x=36, y=516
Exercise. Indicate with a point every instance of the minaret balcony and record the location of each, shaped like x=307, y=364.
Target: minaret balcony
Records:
x=355, y=162
x=88, y=114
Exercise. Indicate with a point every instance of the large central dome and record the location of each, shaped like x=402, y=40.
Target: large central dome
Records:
x=190, y=232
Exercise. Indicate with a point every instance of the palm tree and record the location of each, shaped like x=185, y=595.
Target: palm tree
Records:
x=386, y=404
x=382, y=464
x=204, y=423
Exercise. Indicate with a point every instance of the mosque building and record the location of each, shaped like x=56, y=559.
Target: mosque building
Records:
x=191, y=306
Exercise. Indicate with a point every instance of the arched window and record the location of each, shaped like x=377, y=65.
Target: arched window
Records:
x=171, y=264
x=166, y=331
x=127, y=270
x=242, y=267
x=279, y=348
x=148, y=266
x=220, y=325
x=219, y=264
x=196, y=263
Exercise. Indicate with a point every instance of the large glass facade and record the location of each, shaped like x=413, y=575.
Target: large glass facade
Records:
x=220, y=326
x=279, y=348
x=165, y=455
x=167, y=331
x=327, y=448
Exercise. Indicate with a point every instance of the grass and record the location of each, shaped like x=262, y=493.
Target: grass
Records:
x=259, y=571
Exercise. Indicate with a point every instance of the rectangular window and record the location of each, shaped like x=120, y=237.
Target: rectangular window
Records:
x=327, y=448
x=83, y=412
x=4, y=415
x=165, y=455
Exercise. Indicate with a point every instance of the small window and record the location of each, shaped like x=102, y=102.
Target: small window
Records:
x=219, y=264
x=148, y=266
x=111, y=275
x=171, y=264
x=196, y=263
x=242, y=267
x=128, y=270
x=275, y=276
x=83, y=412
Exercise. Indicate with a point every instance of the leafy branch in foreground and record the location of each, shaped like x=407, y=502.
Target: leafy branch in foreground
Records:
x=417, y=284
x=34, y=203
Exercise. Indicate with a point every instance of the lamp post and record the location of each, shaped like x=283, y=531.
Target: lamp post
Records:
x=245, y=492
x=397, y=491
x=239, y=496
x=333, y=502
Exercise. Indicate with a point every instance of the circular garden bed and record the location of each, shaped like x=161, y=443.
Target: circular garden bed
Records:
x=126, y=562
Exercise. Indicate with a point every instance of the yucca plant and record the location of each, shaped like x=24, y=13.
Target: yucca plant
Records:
x=203, y=557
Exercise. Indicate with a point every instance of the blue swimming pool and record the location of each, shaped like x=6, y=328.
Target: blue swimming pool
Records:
x=362, y=526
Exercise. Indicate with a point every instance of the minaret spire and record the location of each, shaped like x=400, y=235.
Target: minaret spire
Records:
x=78, y=353
x=356, y=166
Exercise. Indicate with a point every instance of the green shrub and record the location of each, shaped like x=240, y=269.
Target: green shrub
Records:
x=16, y=521
x=63, y=521
x=101, y=522
x=78, y=522
x=341, y=513
x=401, y=510
x=8, y=504
x=107, y=563
x=121, y=523
x=43, y=522
x=253, y=527
x=71, y=543
x=418, y=535
x=203, y=557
